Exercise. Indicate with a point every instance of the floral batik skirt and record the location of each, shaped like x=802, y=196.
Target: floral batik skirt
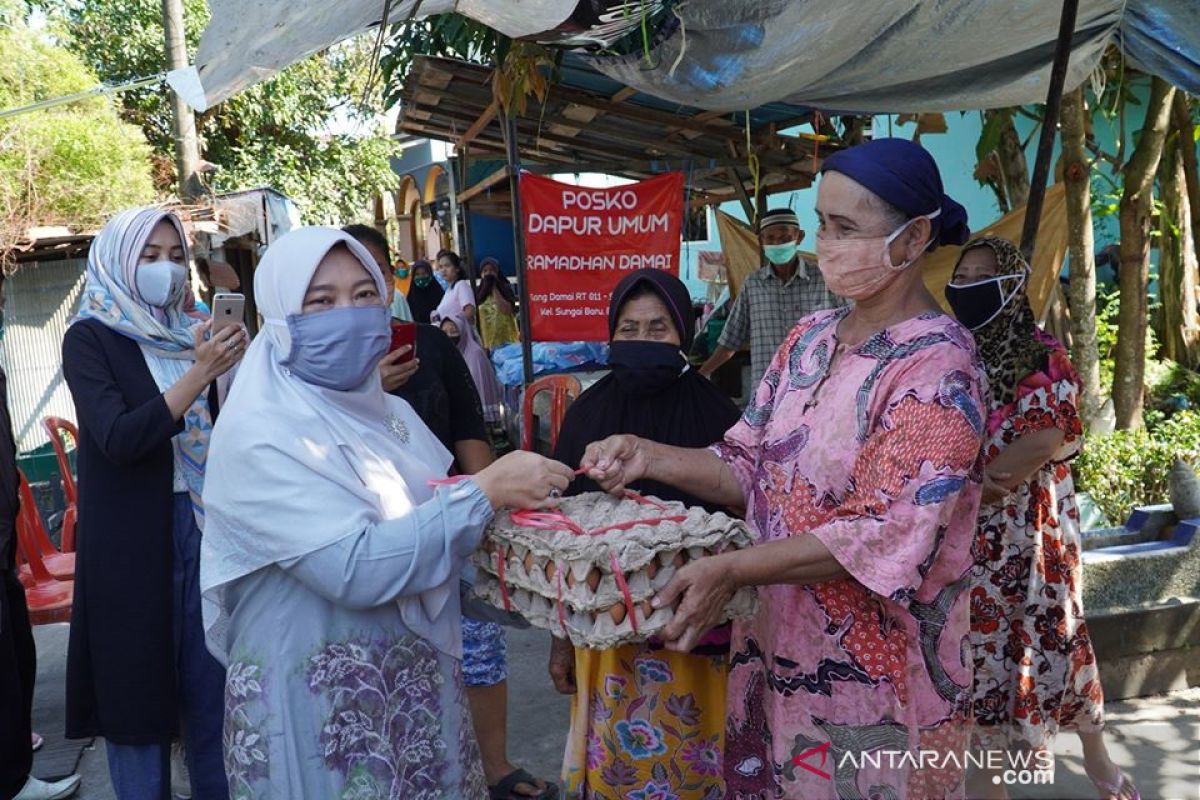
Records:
x=647, y=724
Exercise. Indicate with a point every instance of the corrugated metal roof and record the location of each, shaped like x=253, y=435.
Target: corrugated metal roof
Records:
x=41, y=299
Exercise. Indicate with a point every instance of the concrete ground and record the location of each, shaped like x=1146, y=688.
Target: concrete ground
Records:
x=1155, y=739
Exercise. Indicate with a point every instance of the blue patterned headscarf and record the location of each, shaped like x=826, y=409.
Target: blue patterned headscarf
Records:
x=905, y=175
x=111, y=297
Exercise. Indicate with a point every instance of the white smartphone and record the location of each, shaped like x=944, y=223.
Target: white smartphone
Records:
x=228, y=309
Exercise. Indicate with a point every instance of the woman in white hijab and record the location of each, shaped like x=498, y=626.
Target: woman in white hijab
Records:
x=331, y=568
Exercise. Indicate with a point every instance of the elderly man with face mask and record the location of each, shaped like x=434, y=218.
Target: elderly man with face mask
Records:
x=858, y=462
x=773, y=299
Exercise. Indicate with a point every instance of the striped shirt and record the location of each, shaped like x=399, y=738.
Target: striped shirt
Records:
x=766, y=310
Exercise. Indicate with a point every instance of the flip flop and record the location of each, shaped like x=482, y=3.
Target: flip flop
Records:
x=37, y=741
x=506, y=788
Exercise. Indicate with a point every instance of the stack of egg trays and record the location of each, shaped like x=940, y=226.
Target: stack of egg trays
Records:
x=566, y=582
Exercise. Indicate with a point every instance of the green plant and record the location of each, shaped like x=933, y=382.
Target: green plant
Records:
x=442, y=35
x=306, y=132
x=1158, y=372
x=68, y=165
x=1129, y=468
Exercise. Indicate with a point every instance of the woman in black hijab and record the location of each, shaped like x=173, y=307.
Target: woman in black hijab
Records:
x=497, y=303
x=424, y=294
x=653, y=392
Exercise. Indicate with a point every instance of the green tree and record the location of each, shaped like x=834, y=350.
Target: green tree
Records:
x=287, y=133
x=69, y=165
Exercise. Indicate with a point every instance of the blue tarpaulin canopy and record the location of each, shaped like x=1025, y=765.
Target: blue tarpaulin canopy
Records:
x=734, y=55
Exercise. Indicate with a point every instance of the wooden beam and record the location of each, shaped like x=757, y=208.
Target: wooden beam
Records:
x=471, y=100
x=622, y=141
x=499, y=176
x=700, y=166
x=739, y=189
x=568, y=95
x=530, y=129
x=479, y=124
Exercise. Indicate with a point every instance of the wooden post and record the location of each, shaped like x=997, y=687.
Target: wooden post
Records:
x=183, y=123
x=1081, y=246
x=465, y=245
x=518, y=219
x=1045, y=151
x=461, y=246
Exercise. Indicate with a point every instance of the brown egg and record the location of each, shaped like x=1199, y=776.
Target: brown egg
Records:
x=652, y=569
x=550, y=570
x=593, y=579
x=617, y=612
x=489, y=545
x=647, y=609
x=570, y=579
x=680, y=559
x=529, y=562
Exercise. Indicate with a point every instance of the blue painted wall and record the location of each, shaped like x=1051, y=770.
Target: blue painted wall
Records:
x=954, y=152
x=493, y=236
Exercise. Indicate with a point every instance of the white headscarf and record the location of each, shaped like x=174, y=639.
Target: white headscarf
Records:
x=111, y=297
x=294, y=467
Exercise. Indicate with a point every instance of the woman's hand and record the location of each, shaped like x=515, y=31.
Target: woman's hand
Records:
x=994, y=486
x=703, y=588
x=395, y=371
x=524, y=480
x=562, y=665
x=217, y=355
x=616, y=462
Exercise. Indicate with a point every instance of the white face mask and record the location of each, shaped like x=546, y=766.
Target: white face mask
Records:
x=161, y=282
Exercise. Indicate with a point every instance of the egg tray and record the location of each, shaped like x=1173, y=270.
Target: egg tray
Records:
x=590, y=571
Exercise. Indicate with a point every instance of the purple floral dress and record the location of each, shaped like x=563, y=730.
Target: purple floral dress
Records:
x=340, y=700
x=875, y=450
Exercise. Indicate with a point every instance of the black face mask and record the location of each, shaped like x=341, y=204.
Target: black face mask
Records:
x=977, y=304
x=646, y=367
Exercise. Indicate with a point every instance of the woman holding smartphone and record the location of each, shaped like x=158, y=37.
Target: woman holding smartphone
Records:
x=141, y=373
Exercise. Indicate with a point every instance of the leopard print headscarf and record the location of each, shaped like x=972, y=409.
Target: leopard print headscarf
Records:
x=1009, y=345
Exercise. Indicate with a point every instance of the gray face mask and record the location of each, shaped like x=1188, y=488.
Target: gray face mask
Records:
x=161, y=282
x=340, y=348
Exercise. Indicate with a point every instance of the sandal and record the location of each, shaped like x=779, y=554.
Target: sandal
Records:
x=506, y=789
x=36, y=741
x=1122, y=787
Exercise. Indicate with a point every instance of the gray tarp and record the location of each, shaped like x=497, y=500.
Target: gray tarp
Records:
x=900, y=55
x=248, y=41
x=837, y=55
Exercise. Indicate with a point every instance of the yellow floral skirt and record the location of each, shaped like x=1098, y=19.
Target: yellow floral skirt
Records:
x=646, y=724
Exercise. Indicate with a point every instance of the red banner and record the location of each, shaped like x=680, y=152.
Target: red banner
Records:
x=579, y=242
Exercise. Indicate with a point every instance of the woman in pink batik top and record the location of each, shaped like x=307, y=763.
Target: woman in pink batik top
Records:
x=858, y=463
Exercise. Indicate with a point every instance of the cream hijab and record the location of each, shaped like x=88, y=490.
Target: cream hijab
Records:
x=294, y=467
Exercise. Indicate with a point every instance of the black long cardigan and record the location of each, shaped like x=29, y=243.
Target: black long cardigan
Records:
x=121, y=676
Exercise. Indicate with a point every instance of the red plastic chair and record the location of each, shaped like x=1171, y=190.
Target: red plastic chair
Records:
x=39, y=548
x=563, y=390
x=49, y=599
x=56, y=427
